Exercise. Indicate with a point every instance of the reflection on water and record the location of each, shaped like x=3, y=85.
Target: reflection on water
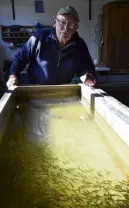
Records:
x=53, y=156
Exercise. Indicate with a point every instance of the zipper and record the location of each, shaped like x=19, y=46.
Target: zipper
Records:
x=59, y=57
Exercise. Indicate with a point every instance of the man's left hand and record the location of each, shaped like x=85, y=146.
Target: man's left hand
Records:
x=88, y=79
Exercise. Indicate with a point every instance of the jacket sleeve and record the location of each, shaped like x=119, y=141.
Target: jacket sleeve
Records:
x=23, y=56
x=85, y=63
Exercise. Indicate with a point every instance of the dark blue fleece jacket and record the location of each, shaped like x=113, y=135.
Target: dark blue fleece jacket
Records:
x=49, y=64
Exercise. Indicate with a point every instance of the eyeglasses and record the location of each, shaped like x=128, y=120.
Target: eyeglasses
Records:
x=63, y=23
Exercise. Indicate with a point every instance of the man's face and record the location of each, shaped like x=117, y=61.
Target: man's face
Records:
x=65, y=25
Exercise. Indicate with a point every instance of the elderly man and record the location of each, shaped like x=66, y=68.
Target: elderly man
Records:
x=55, y=55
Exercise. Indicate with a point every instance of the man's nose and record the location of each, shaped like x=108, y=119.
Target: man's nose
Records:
x=66, y=25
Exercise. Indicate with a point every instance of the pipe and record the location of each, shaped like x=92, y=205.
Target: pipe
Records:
x=13, y=9
x=90, y=2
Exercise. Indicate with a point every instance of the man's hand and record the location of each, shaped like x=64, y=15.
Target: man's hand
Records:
x=88, y=79
x=12, y=82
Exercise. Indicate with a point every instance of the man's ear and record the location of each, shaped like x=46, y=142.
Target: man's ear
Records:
x=54, y=21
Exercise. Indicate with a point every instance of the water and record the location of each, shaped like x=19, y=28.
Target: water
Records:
x=54, y=156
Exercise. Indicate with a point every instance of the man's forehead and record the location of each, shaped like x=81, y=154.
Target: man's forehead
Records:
x=67, y=17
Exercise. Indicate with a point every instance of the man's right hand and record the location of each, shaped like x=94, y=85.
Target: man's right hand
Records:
x=12, y=82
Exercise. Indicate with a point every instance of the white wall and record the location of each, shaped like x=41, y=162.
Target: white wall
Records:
x=25, y=15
